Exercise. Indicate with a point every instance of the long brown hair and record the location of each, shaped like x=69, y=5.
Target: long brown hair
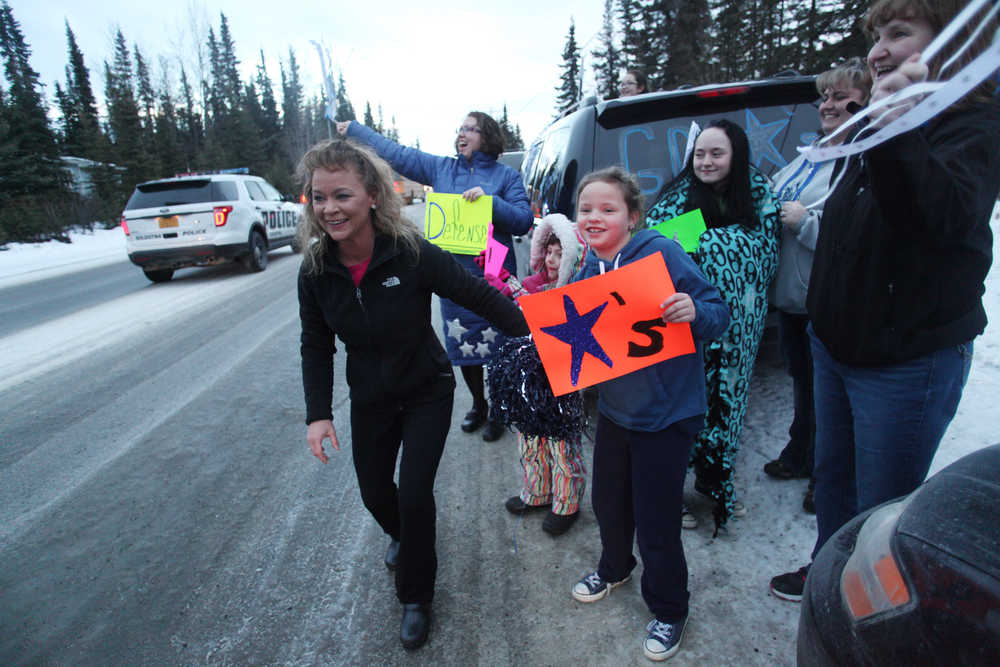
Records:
x=376, y=176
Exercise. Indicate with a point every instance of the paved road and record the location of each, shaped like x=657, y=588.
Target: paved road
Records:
x=27, y=305
x=158, y=505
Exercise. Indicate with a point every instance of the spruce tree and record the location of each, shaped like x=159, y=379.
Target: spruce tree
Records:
x=268, y=104
x=293, y=127
x=651, y=41
x=168, y=143
x=568, y=92
x=369, y=120
x=511, y=133
x=393, y=133
x=81, y=131
x=230, y=85
x=345, y=110
x=607, y=60
x=688, y=46
x=631, y=25
x=33, y=187
x=190, y=125
x=123, y=116
x=731, y=58
x=146, y=97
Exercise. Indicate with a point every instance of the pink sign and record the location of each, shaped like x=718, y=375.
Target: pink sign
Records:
x=496, y=252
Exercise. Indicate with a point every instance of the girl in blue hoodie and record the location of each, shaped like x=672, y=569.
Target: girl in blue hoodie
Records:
x=647, y=419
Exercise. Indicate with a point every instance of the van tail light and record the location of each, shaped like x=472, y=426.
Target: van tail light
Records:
x=871, y=582
x=723, y=92
x=302, y=199
x=125, y=225
x=221, y=214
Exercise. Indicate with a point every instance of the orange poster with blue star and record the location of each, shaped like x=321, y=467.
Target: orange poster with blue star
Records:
x=605, y=326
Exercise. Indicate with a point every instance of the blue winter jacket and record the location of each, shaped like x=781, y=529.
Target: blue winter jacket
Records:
x=511, y=209
x=652, y=398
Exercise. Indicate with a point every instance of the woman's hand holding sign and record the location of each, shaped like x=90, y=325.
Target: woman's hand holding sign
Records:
x=472, y=194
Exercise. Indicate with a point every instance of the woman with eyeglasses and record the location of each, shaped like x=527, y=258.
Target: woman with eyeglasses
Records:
x=472, y=173
x=633, y=83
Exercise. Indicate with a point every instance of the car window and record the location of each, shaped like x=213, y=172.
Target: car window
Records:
x=255, y=192
x=547, y=162
x=654, y=151
x=269, y=191
x=175, y=193
x=225, y=191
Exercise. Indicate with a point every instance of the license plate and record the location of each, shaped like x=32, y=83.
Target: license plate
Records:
x=168, y=221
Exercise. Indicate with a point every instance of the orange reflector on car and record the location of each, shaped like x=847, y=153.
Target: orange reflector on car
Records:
x=891, y=581
x=856, y=595
x=871, y=581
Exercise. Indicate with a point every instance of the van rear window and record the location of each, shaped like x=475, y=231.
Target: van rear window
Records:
x=175, y=193
x=654, y=150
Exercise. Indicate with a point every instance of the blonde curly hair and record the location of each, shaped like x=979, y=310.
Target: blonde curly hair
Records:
x=377, y=178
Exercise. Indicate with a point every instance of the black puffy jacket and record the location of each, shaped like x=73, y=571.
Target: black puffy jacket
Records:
x=385, y=323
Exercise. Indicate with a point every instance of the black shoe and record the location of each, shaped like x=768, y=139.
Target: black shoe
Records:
x=392, y=555
x=416, y=625
x=517, y=506
x=809, y=501
x=493, y=431
x=778, y=469
x=789, y=586
x=557, y=524
x=473, y=420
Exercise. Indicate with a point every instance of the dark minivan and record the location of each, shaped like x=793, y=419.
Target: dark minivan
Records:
x=647, y=135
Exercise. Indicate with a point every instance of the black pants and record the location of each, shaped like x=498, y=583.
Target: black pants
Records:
x=637, y=489
x=798, y=453
x=407, y=512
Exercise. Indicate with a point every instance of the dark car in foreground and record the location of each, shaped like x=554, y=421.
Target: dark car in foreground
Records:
x=915, y=581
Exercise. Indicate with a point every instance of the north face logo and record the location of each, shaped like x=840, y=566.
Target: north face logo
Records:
x=391, y=281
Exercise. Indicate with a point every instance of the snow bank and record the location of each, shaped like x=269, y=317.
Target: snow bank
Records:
x=26, y=262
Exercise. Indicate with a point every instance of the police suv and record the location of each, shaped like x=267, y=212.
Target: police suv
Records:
x=200, y=220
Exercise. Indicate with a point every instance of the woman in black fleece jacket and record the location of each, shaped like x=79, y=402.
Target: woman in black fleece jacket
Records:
x=895, y=296
x=368, y=278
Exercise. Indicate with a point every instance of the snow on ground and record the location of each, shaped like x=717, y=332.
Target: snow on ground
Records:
x=972, y=428
x=27, y=262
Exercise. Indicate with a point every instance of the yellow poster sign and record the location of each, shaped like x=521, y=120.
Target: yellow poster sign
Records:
x=456, y=224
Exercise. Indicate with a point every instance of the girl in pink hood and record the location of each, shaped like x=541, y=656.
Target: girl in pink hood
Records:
x=554, y=474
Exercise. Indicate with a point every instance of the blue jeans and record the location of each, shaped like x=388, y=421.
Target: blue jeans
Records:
x=877, y=428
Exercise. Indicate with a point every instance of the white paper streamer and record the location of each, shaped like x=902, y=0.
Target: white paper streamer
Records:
x=944, y=95
x=331, y=107
x=693, y=133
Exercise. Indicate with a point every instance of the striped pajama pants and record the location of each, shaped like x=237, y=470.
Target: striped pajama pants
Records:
x=553, y=473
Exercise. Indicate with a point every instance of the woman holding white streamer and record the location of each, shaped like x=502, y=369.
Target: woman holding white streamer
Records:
x=799, y=184
x=895, y=298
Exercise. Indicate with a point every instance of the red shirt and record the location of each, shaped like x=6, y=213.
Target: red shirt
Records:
x=358, y=271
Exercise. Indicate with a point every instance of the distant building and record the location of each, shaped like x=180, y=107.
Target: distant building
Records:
x=78, y=169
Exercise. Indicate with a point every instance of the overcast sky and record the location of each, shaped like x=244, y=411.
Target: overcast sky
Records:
x=427, y=63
